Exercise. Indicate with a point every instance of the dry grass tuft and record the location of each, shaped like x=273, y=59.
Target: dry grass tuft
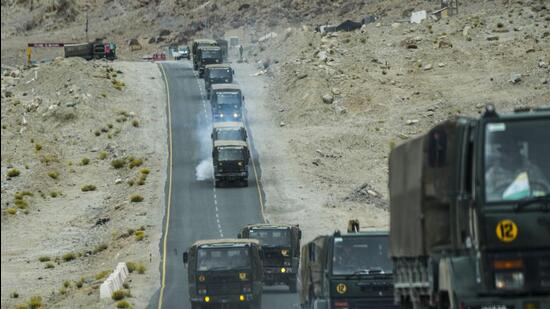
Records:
x=102, y=155
x=13, y=172
x=67, y=257
x=118, y=163
x=87, y=188
x=84, y=161
x=136, y=198
x=53, y=174
x=135, y=163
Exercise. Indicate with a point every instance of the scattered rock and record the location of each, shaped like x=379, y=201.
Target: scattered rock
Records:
x=441, y=64
x=515, y=78
x=466, y=31
x=327, y=98
x=339, y=109
x=301, y=75
x=410, y=122
x=427, y=67
x=335, y=91
x=70, y=104
x=542, y=64
x=282, y=124
x=118, y=180
x=493, y=38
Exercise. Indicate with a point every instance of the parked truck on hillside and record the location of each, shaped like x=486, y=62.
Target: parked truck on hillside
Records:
x=94, y=50
x=350, y=271
x=470, y=213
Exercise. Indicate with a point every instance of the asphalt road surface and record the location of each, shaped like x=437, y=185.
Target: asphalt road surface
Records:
x=197, y=209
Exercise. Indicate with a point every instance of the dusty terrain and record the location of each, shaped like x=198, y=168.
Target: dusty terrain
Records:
x=382, y=84
x=68, y=216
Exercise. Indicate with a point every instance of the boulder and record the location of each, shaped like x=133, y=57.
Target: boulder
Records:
x=327, y=98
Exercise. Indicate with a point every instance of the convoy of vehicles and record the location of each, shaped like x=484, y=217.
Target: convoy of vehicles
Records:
x=469, y=220
x=226, y=101
x=224, y=272
x=469, y=213
x=281, y=251
x=350, y=270
x=217, y=74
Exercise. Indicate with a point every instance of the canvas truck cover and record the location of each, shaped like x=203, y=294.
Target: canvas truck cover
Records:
x=422, y=181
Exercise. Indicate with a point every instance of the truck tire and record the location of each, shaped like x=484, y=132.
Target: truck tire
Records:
x=195, y=306
x=257, y=304
x=217, y=183
x=245, y=182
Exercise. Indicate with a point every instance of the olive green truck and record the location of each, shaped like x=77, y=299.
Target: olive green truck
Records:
x=470, y=213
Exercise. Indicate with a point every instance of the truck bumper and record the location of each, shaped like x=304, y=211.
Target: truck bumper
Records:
x=274, y=275
x=363, y=303
x=232, y=176
x=541, y=302
x=224, y=299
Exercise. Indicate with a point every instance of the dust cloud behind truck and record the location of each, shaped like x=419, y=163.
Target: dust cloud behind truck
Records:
x=469, y=213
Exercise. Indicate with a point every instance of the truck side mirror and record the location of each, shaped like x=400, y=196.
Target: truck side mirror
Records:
x=243, y=97
x=185, y=258
x=437, y=149
x=239, y=236
x=299, y=234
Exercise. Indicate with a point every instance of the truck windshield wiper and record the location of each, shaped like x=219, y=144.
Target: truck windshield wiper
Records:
x=366, y=271
x=539, y=199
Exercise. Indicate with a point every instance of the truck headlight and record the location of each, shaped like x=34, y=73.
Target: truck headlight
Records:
x=509, y=280
x=221, y=115
x=235, y=115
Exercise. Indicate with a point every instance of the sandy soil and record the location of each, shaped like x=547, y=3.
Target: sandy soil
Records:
x=52, y=121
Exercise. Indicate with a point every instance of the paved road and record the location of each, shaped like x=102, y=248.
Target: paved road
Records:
x=199, y=210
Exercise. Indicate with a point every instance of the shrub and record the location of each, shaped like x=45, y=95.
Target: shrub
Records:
x=102, y=274
x=135, y=123
x=131, y=182
x=37, y=147
x=118, y=163
x=118, y=85
x=53, y=174
x=21, y=306
x=20, y=195
x=136, y=198
x=49, y=265
x=79, y=283
x=14, y=295
x=99, y=248
x=97, y=133
x=67, y=284
x=135, y=162
x=139, y=235
x=141, y=269
x=44, y=259
x=55, y=194
x=21, y=204
x=69, y=256
x=13, y=172
x=62, y=291
x=11, y=211
x=35, y=302
x=118, y=295
x=84, y=161
x=87, y=188
x=131, y=266
x=102, y=155
x=145, y=171
x=122, y=304
x=126, y=285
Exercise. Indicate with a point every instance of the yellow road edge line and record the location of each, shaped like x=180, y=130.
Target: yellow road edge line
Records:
x=169, y=206
x=258, y=185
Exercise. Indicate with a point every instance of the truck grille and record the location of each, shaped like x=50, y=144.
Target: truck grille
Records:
x=224, y=288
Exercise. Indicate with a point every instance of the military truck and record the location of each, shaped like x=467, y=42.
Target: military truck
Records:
x=350, y=271
x=93, y=50
x=229, y=131
x=208, y=55
x=224, y=272
x=217, y=74
x=226, y=101
x=281, y=251
x=470, y=213
x=230, y=159
x=195, y=47
x=224, y=45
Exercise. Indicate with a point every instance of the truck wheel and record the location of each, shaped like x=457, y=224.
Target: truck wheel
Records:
x=257, y=304
x=195, y=306
x=293, y=285
x=217, y=183
x=245, y=182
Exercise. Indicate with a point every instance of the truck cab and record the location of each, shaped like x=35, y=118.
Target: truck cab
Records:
x=230, y=160
x=217, y=74
x=208, y=55
x=226, y=101
x=470, y=213
x=281, y=251
x=224, y=272
x=195, y=49
x=228, y=131
x=350, y=270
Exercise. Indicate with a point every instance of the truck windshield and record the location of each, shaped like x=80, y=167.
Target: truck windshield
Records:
x=210, y=54
x=361, y=254
x=230, y=154
x=516, y=160
x=271, y=237
x=230, y=98
x=222, y=259
x=220, y=73
x=230, y=135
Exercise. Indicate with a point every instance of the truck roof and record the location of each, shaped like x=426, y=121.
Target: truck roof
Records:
x=269, y=226
x=226, y=87
x=225, y=242
x=230, y=143
x=218, y=66
x=206, y=41
x=229, y=124
x=364, y=233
